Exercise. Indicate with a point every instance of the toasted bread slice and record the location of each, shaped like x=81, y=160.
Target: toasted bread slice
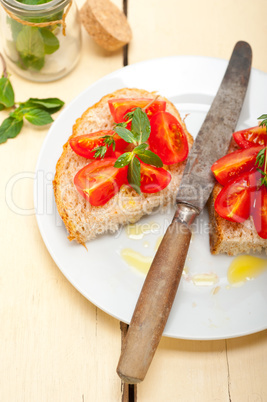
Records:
x=230, y=237
x=83, y=221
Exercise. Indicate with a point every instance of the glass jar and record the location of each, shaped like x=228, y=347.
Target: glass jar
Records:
x=41, y=42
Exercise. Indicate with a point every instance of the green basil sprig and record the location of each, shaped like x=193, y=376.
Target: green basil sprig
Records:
x=33, y=43
x=36, y=111
x=139, y=133
x=261, y=159
x=6, y=93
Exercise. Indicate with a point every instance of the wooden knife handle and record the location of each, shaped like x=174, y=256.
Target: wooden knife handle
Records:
x=154, y=304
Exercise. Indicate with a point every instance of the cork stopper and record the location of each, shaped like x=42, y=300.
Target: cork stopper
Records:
x=106, y=24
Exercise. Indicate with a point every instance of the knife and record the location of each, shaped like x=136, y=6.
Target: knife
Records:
x=161, y=284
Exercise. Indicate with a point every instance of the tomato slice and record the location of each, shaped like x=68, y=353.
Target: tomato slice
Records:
x=83, y=145
x=251, y=137
x=259, y=212
x=167, y=138
x=153, y=179
x=99, y=181
x=120, y=107
x=235, y=200
x=232, y=165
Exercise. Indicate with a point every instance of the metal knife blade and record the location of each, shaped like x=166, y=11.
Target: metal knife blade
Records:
x=160, y=287
x=214, y=136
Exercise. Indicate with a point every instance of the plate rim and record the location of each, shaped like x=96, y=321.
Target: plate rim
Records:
x=223, y=62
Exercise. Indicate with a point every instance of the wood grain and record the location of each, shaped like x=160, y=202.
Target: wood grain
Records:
x=54, y=344
x=190, y=371
x=206, y=28
x=129, y=391
x=154, y=304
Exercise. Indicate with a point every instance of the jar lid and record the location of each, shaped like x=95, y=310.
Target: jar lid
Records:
x=36, y=10
x=106, y=24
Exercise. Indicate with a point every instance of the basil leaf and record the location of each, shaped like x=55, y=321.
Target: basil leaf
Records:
x=140, y=148
x=31, y=62
x=19, y=112
x=123, y=160
x=140, y=125
x=38, y=117
x=51, y=42
x=6, y=92
x=51, y=105
x=263, y=116
x=125, y=134
x=10, y=128
x=2, y=107
x=149, y=157
x=134, y=174
x=31, y=48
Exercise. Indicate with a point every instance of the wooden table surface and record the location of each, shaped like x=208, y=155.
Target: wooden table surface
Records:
x=55, y=346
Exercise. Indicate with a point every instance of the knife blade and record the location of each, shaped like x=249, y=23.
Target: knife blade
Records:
x=161, y=283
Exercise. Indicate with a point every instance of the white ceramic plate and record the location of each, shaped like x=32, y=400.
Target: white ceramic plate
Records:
x=100, y=274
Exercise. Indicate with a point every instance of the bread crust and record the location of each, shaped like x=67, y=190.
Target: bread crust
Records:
x=230, y=237
x=83, y=221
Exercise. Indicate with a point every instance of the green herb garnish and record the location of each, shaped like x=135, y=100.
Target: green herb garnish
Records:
x=33, y=43
x=260, y=157
x=6, y=90
x=137, y=135
x=101, y=151
x=261, y=160
x=36, y=111
x=263, y=117
x=124, y=133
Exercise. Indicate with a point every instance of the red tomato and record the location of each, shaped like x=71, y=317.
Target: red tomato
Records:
x=120, y=107
x=99, y=181
x=83, y=145
x=153, y=179
x=259, y=212
x=232, y=165
x=251, y=137
x=167, y=138
x=235, y=200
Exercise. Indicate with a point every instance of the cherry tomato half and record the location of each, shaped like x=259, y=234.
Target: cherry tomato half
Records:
x=251, y=137
x=232, y=165
x=259, y=212
x=83, y=145
x=120, y=107
x=235, y=200
x=167, y=138
x=153, y=179
x=99, y=181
